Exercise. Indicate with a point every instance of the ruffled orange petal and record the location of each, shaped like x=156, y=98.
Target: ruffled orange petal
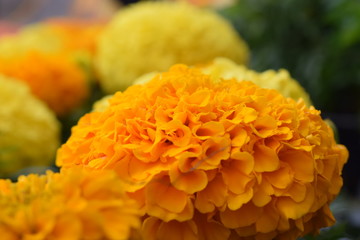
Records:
x=287, y=206
x=190, y=181
x=214, y=195
x=301, y=163
x=166, y=202
x=154, y=229
x=245, y=216
x=266, y=159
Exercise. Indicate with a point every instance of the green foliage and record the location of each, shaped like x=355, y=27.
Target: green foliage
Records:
x=333, y=233
x=318, y=41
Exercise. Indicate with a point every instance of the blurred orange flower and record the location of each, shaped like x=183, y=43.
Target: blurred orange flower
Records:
x=53, y=78
x=72, y=205
x=214, y=159
x=211, y=3
x=76, y=34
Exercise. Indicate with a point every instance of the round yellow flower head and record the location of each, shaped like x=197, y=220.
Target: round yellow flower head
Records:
x=29, y=131
x=280, y=81
x=71, y=205
x=53, y=78
x=152, y=36
x=32, y=37
x=53, y=35
x=212, y=159
x=101, y=104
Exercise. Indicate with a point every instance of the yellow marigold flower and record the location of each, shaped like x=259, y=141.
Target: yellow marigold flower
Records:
x=53, y=35
x=29, y=131
x=71, y=205
x=102, y=104
x=33, y=37
x=152, y=36
x=281, y=80
x=212, y=159
x=54, y=78
x=225, y=68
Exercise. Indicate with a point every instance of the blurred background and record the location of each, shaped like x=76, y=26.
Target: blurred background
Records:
x=317, y=41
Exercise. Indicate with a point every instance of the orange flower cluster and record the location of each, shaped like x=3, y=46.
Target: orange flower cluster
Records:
x=53, y=78
x=76, y=34
x=73, y=205
x=214, y=160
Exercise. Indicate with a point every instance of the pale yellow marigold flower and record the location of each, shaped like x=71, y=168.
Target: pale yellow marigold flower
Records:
x=72, y=205
x=33, y=37
x=212, y=159
x=52, y=36
x=102, y=104
x=152, y=36
x=29, y=131
x=225, y=68
x=280, y=81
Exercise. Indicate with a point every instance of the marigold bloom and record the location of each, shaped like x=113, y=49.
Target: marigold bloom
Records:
x=53, y=78
x=73, y=205
x=225, y=68
x=29, y=131
x=53, y=35
x=76, y=34
x=281, y=80
x=152, y=36
x=73, y=37
x=212, y=159
x=33, y=37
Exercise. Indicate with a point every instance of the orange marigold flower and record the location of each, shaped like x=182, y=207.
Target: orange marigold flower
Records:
x=76, y=34
x=53, y=78
x=73, y=205
x=54, y=35
x=214, y=159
